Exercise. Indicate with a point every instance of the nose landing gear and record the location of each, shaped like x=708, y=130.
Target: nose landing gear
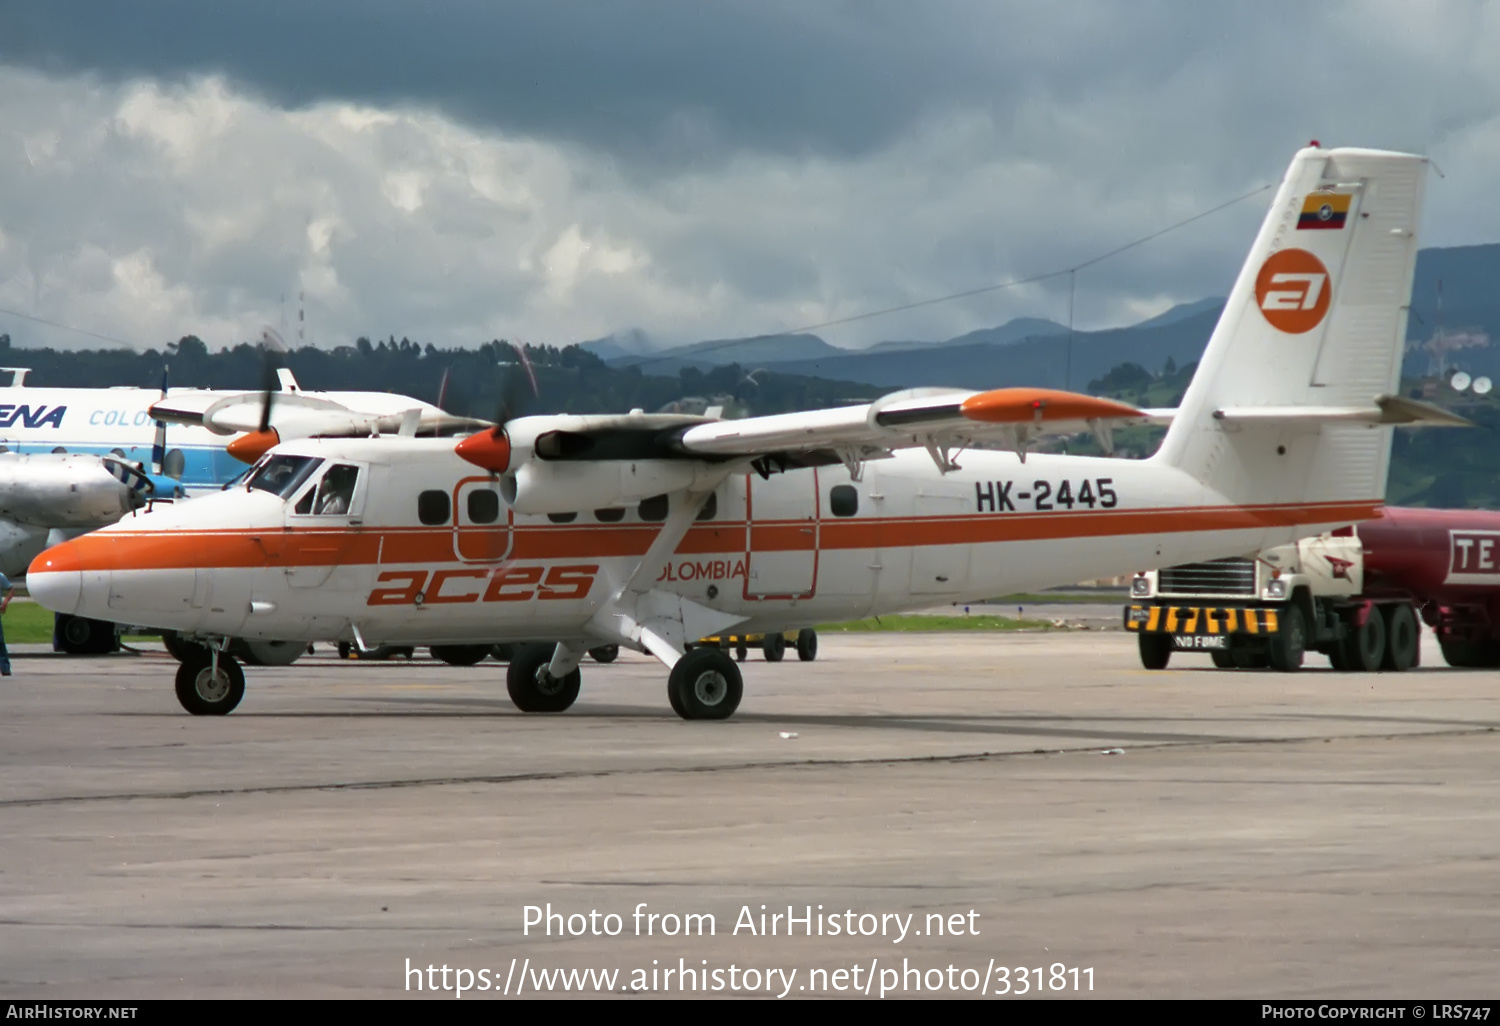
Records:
x=210, y=683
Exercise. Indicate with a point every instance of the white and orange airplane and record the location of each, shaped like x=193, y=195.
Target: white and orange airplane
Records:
x=650, y=531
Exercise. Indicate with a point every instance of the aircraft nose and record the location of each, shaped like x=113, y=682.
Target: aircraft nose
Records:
x=55, y=579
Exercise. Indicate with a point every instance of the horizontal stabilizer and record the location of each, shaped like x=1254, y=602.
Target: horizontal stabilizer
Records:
x=1387, y=409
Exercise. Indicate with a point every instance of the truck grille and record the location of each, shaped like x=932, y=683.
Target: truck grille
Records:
x=1218, y=577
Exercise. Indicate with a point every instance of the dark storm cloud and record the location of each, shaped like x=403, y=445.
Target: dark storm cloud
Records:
x=674, y=81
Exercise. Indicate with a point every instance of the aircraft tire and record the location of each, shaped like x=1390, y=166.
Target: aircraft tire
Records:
x=1156, y=650
x=807, y=644
x=203, y=694
x=773, y=647
x=1287, y=647
x=528, y=693
x=460, y=655
x=180, y=648
x=604, y=653
x=1223, y=660
x=1402, y=638
x=1365, y=649
x=79, y=635
x=705, y=685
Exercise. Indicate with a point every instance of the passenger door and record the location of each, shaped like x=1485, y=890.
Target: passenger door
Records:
x=782, y=535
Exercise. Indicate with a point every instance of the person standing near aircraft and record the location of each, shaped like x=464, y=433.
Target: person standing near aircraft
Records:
x=7, y=592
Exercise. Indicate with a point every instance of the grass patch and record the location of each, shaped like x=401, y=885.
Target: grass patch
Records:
x=937, y=623
x=27, y=623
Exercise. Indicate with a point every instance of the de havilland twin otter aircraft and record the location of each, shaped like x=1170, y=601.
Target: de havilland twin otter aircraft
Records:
x=652, y=531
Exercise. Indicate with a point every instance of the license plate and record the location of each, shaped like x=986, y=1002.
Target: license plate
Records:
x=1200, y=642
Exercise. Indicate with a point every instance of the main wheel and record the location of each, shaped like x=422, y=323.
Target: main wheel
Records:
x=535, y=690
x=705, y=685
x=1403, y=638
x=807, y=644
x=773, y=647
x=180, y=648
x=1156, y=650
x=460, y=655
x=1223, y=659
x=203, y=692
x=1364, y=647
x=1287, y=647
x=604, y=653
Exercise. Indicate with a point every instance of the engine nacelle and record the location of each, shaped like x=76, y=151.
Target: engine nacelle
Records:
x=67, y=490
x=540, y=486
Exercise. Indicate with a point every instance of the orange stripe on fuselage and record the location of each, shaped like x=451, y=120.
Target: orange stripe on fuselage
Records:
x=122, y=550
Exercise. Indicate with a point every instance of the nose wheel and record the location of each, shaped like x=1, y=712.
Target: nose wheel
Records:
x=206, y=689
x=705, y=685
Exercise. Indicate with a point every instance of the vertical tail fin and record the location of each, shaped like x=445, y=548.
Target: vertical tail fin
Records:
x=1313, y=331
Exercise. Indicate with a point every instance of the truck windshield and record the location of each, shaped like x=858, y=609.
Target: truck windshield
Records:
x=283, y=475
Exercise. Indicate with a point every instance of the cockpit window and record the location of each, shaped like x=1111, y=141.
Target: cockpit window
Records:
x=283, y=475
x=336, y=492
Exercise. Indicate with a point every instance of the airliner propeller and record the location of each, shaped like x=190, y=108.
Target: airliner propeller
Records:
x=491, y=449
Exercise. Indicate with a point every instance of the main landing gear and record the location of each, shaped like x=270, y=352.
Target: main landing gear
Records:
x=705, y=684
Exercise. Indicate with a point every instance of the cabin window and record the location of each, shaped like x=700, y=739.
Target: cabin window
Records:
x=654, y=508
x=336, y=492
x=484, y=506
x=174, y=464
x=843, y=500
x=612, y=515
x=433, y=507
x=562, y=518
x=283, y=475
x=59, y=450
x=710, y=508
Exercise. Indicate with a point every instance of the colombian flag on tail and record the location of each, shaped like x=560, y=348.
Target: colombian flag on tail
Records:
x=1325, y=210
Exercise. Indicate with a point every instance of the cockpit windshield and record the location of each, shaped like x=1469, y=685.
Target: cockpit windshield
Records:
x=283, y=475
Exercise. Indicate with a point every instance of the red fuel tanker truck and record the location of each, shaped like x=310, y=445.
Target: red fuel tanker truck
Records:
x=1355, y=595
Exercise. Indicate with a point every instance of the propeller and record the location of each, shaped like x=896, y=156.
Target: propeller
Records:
x=491, y=449
x=250, y=447
x=159, y=441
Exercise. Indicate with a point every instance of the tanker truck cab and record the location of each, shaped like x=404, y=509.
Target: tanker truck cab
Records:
x=1270, y=608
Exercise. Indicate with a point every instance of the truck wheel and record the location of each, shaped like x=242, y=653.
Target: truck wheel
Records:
x=1249, y=659
x=1465, y=655
x=604, y=653
x=1402, y=638
x=1156, y=650
x=1223, y=660
x=1365, y=645
x=1289, y=644
x=773, y=647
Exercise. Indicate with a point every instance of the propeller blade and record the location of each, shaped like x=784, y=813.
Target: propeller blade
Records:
x=159, y=440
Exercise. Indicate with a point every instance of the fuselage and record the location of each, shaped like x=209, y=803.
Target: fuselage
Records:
x=400, y=541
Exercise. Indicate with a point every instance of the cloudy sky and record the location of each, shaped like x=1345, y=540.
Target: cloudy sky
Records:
x=554, y=172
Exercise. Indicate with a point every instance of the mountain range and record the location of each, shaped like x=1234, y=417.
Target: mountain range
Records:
x=1454, y=325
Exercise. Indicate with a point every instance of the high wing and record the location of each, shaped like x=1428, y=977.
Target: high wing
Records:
x=943, y=421
x=296, y=414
